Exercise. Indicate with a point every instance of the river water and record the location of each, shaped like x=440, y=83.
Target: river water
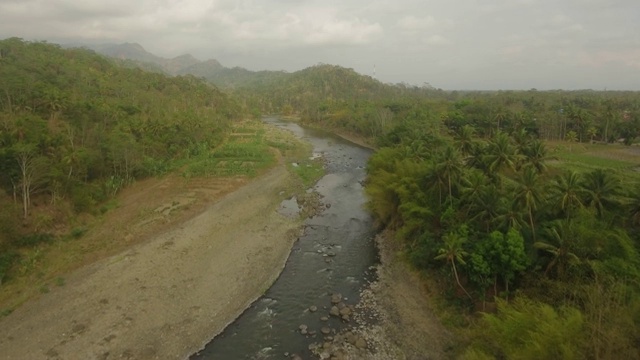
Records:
x=334, y=255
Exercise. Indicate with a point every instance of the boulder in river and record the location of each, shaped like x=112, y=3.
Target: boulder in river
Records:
x=334, y=311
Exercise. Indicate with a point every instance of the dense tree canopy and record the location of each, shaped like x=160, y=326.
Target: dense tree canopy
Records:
x=76, y=127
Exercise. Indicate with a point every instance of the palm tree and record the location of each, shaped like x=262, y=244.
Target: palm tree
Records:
x=486, y=206
x=472, y=186
x=559, y=244
x=528, y=194
x=510, y=216
x=452, y=251
x=449, y=166
x=592, y=132
x=476, y=157
x=521, y=139
x=536, y=155
x=500, y=116
x=601, y=189
x=566, y=192
x=435, y=181
x=464, y=139
x=580, y=118
x=571, y=137
x=501, y=153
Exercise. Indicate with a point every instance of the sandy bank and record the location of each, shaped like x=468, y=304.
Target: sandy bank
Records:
x=166, y=297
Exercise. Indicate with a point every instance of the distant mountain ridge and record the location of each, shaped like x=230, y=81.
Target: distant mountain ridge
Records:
x=178, y=65
x=310, y=91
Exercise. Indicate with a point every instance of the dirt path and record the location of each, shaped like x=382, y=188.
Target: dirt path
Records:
x=163, y=298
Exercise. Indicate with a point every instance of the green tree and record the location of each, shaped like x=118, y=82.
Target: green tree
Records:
x=527, y=329
x=566, y=192
x=32, y=172
x=602, y=190
x=559, y=243
x=449, y=166
x=501, y=153
x=536, y=156
x=465, y=139
x=452, y=252
x=592, y=132
x=528, y=194
x=571, y=137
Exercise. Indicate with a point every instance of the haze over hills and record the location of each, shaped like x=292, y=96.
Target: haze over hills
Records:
x=235, y=77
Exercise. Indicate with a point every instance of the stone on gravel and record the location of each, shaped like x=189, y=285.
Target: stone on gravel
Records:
x=351, y=338
x=336, y=298
x=361, y=343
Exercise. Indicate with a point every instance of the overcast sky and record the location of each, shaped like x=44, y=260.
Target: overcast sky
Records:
x=451, y=44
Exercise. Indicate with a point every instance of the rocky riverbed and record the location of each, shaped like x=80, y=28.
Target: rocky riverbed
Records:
x=393, y=319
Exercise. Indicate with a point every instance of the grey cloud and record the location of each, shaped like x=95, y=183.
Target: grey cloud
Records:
x=450, y=44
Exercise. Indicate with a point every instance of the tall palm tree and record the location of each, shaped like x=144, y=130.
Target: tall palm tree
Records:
x=536, y=156
x=435, y=180
x=592, y=132
x=521, y=139
x=501, y=153
x=500, y=116
x=464, y=139
x=559, y=243
x=580, y=119
x=453, y=252
x=601, y=189
x=567, y=192
x=528, y=194
x=509, y=216
x=476, y=157
x=571, y=137
x=486, y=207
x=472, y=186
x=449, y=166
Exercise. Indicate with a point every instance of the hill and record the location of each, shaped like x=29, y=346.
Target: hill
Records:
x=135, y=54
x=326, y=95
x=76, y=127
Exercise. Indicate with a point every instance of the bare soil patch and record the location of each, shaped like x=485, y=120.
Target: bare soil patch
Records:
x=165, y=272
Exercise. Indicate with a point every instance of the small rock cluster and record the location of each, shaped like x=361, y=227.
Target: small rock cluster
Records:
x=335, y=345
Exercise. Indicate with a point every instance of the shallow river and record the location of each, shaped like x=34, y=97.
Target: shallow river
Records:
x=333, y=256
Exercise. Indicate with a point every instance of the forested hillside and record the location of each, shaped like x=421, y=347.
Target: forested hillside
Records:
x=76, y=127
x=546, y=230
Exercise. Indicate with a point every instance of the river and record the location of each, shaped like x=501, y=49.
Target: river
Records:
x=334, y=255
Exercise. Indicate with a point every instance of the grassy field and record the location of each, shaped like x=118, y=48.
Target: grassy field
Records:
x=621, y=159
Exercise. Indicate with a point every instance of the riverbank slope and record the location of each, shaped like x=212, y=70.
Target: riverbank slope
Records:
x=168, y=295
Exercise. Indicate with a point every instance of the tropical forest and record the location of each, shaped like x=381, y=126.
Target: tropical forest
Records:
x=518, y=210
